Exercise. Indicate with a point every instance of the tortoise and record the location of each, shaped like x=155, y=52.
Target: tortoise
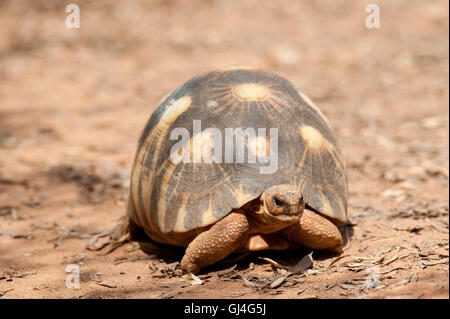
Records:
x=192, y=193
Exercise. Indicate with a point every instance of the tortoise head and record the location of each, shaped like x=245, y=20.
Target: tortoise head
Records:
x=281, y=204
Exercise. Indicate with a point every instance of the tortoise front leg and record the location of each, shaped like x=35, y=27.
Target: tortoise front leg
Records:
x=316, y=232
x=219, y=241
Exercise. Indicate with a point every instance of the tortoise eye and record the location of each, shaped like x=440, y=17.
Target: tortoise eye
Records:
x=277, y=202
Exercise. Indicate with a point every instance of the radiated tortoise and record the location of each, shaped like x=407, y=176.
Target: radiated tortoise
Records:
x=233, y=160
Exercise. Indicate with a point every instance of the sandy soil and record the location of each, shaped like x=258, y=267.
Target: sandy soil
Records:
x=73, y=102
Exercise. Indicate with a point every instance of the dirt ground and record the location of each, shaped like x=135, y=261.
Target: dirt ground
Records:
x=73, y=102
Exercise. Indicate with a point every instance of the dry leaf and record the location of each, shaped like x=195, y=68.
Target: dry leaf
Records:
x=301, y=291
x=192, y=279
x=6, y=210
x=17, y=235
x=393, y=258
x=435, y=262
x=277, y=282
x=4, y=292
x=333, y=262
x=274, y=263
x=106, y=284
x=248, y=283
x=413, y=278
x=225, y=271
x=346, y=286
x=116, y=244
x=300, y=267
x=391, y=269
x=18, y=274
x=120, y=260
x=171, y=295
x=235, y=295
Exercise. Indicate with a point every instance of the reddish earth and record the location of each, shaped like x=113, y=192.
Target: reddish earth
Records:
x=73, y=102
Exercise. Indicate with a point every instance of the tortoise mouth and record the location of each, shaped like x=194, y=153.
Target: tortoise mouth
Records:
x=288, y=218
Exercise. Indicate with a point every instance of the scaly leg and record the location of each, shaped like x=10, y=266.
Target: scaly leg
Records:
x=316, y=232
x=219, y=241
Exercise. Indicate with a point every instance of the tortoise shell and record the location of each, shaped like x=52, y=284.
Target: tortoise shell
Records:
x=169, y=197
